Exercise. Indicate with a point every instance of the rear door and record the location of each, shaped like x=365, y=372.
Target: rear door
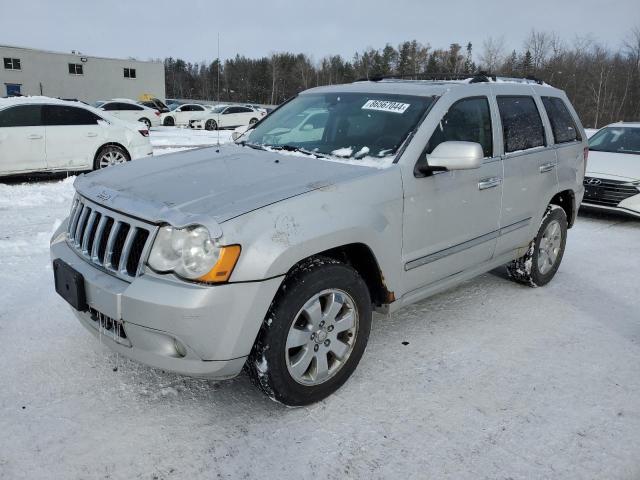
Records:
x=529, y=169
x=73, y=136
x=22, y=139
x=231, y=117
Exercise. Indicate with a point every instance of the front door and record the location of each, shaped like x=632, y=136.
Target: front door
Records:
x=22, y=139
x=451, y=218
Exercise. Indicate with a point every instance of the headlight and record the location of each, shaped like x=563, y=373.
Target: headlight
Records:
x=191, y=254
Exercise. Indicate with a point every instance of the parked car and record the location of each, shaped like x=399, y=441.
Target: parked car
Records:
x=156, y=104
x=45, y=134
x=273, y=256
x=229, y=116
x=180, y=115
x=612, y=181
x=131, y=111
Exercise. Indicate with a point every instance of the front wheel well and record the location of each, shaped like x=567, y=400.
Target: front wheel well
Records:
x=360, y=257
x=567, y=200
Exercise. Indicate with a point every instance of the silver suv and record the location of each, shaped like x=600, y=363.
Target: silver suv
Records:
x=272, y=253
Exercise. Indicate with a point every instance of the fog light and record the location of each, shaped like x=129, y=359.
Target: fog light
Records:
x=181, y=350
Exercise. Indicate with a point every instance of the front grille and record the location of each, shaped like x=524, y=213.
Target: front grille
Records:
x=608, y=193
x=110, y=240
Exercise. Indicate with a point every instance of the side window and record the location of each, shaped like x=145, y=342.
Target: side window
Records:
x=109, y=107
x=56, y=115
x=197, y=108
x=468, y=120
x=185, y=108
x=12, y=63
x=562, y=123
x=129, y=73
x=75, y=69
x=245, y=110
x=21, y=116
x=521, y=123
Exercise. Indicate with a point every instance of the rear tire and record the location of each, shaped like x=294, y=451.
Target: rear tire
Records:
x=210, y=125
x=110, y=155
x=169, y=122
x=146, y=121
x=314, y=333
x=542, y=260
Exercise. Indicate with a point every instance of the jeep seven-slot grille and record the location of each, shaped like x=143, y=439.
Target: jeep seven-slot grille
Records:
x=609, y=193
x=108, y=239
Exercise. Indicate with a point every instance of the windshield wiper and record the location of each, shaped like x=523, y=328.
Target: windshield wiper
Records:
x=291, y=148
x=252, y=145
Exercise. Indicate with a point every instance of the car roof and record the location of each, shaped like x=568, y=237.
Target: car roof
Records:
x=428, y=88
x=40, y=100
x=624, y=124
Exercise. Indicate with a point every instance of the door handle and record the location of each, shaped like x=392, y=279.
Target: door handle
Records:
x=486, y=183
x=34, y=136
x=92, y=134
x=547, y=167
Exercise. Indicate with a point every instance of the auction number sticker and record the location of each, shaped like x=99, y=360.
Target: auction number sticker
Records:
x=386, y=106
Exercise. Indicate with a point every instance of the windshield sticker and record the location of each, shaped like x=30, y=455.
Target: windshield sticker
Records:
x=386, y=106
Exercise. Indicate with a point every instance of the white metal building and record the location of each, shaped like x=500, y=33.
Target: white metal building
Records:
x=77, y=76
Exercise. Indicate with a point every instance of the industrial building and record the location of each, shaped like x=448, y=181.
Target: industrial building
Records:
x=27, y=71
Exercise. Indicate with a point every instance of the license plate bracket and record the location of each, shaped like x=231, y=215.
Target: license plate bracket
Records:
x=70, y=285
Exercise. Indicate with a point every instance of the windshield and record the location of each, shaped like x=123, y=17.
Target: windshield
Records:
x=347, y=125
x=218, y=109
x=174, y=106
x=616, y=139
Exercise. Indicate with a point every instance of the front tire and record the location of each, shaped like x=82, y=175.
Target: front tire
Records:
x=314, y=333
x=542, y=260
x=210, y=125
x=169, y=122
x=253, y=121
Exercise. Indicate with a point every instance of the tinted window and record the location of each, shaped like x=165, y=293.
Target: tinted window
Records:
x=521, y=123
x=562, y=124
x=65, y=115
x=21, y=116
x=128, y=106
x=197, y=108
x=468, y=120
x=109, y=106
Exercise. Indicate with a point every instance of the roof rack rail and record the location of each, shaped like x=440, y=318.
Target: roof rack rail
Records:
x=478, y=77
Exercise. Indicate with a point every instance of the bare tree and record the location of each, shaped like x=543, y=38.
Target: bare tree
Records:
x=492, y=55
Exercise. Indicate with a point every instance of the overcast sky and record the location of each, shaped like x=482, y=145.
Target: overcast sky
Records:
x=188, y=28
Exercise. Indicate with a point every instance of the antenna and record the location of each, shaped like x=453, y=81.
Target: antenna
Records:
x=218, y=125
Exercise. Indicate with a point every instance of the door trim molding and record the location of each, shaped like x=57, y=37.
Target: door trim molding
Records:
x=432, y=257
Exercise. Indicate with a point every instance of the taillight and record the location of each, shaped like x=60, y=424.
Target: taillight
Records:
x=157, y=113
x=144, y=133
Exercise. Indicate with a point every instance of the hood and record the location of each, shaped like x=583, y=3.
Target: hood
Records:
x=210, y=183
x=614, y=166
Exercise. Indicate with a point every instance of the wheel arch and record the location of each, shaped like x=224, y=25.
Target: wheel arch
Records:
x=362, y=259
x=567, y=200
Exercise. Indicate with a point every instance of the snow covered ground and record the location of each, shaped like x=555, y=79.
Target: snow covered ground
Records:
x=488, y=380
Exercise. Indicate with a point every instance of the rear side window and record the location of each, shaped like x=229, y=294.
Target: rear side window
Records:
x=109, y=107
x=562, y=123
x=56, y=115
x=21, y=116
x=468, y=120
x=521, y=123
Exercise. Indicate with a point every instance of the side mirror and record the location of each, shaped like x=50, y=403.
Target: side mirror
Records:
x=179, y=109
x=455, y=155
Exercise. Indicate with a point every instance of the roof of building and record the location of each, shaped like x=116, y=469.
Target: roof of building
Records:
x=78, y=54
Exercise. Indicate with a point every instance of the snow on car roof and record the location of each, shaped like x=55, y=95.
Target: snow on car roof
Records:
x=11, y=101
x=624, y=124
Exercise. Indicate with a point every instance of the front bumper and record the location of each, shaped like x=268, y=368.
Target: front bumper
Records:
x=213, y=326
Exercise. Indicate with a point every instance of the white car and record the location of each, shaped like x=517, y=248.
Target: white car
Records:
x=180, y=115
x=612, y=179
x=46, y=134
x=131, y=111
x=226, y=116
